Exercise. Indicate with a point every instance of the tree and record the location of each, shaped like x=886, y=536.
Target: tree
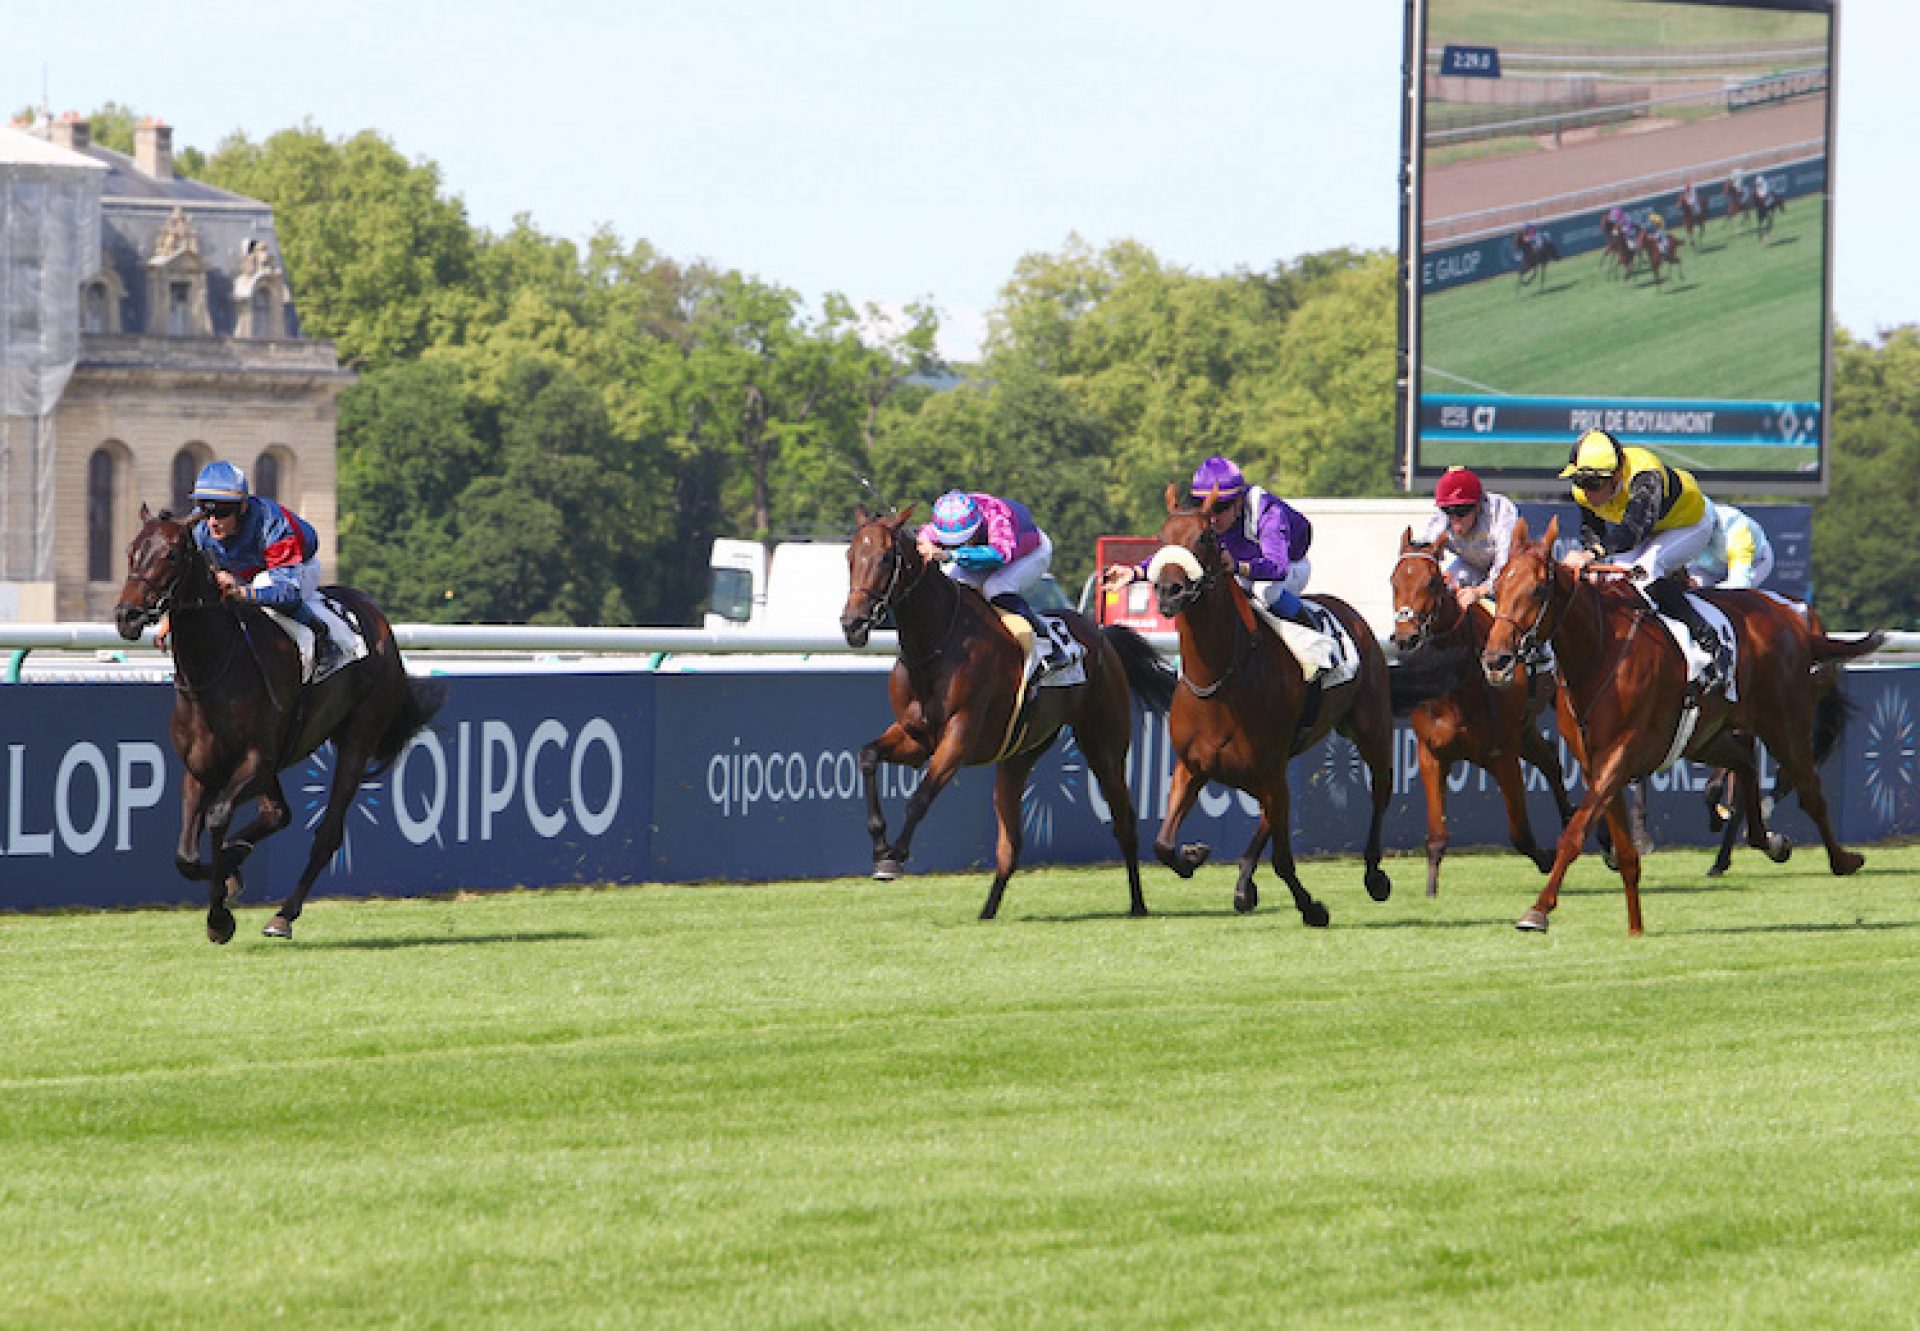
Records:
x=1866, y=571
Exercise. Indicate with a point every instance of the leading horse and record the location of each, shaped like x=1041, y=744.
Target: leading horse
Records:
x=1624, y=689
x=241, y=715
x=957, y=690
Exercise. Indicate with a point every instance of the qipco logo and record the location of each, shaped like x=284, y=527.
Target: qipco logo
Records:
x=558, y=777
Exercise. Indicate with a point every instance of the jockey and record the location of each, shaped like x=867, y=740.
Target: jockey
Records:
x=1738, y=555
x=1762, y=189
x=1264, y=539
x=265, y=554
x=994, y=546
x=1690, y=197
x=1637, y=511
x=1479, y=531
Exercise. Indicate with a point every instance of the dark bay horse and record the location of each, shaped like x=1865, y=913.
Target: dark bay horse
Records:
x=1492, y=728
x=1618, y=254
x=1624, y=683
x=240, y=715
x=954, y=690
x=1244, y=709
x=1534, y=253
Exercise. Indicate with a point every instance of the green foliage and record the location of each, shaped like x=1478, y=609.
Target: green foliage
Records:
x=1866, y=569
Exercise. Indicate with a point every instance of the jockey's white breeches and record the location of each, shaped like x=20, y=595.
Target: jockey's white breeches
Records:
x=1296, y=582
x=1669, y=551
x=1016, y=577
x=343, y=634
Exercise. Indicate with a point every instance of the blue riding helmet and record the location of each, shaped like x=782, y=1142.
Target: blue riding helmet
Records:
x=956, y=517
x=220, y=483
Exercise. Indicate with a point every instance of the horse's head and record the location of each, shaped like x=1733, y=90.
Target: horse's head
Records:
x=1523, y=595
x=883, y=566
x=159, y=556
x=1420, y=591
x=1188, y=560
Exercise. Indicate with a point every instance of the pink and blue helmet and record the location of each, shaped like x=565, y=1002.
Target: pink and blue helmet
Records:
x=956, y=517
x=220, y=483
x=1218, y=478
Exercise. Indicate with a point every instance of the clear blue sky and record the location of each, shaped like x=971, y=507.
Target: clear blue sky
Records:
x=891, y=151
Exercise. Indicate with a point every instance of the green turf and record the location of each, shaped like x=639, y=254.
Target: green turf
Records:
x=850, y=1105
x=1742, y=323
x=1611, y=23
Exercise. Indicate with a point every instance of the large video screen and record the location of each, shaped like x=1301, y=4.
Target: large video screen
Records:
x=1619, y=219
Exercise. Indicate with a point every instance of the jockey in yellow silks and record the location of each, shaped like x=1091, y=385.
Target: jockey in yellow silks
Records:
x=1636, y=511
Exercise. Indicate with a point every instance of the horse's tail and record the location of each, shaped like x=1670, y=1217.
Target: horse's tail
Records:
x=1423, y=675
x=1151, y=677
x=423, y=699
x=1827, y=648
x=1830, y=716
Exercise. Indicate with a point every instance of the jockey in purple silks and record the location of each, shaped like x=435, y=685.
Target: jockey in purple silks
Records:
x=1264, y=538
x=994, y=546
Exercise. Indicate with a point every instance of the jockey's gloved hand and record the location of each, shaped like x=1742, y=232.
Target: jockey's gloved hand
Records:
x=977, y=557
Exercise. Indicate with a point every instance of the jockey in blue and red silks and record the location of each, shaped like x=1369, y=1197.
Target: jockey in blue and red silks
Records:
x=994, y=546
x=265, y=554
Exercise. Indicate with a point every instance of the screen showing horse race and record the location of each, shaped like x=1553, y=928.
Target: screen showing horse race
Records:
x=1619, y=219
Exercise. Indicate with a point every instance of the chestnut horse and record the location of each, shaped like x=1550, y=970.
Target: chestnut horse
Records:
x=241, y=716
x=1492, y=728
x=1624, y=686
x=1244, y=709
x=955, y=688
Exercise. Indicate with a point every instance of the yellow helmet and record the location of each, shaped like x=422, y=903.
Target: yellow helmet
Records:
x=1596, y=456
x=1656, y=220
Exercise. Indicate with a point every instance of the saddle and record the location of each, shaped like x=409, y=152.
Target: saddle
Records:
x=1068, y=656
x=1328, y=657
x=312, y=670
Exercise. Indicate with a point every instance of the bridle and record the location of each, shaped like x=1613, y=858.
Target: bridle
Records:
x=898, y=588
x=1530, y=644
x=1423, y=624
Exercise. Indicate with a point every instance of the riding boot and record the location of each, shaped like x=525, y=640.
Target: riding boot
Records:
x=323, y=645
x=1290, y=607
x=1671, y=599
x=1043, y=649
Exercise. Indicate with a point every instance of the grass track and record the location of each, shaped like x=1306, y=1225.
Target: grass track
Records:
x=850, y=1105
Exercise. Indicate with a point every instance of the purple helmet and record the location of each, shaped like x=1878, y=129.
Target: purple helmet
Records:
x=1217, y=478
x=956, y=517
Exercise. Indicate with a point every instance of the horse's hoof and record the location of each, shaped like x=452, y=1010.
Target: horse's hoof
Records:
x=1716, y=870
x=886, y=869
x=1611, y=859
x=1847, y=861
x=1779, y=847
x=1533, y=922
x=1379, y=885
x=220, y=927
x=1543, y=861
x=278, y=927
x=1314, y=915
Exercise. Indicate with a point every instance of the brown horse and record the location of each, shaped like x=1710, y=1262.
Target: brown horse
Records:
x=241, y=716
x=1617, y=253
x=1661, y=249
x=1244, y=709
x=1624, y=686
x=956, y=691
x=1492, y=728
x=1693, y=216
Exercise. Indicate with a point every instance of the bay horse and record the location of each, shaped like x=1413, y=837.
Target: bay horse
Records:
x=1617, y=250
x=956, y=691
x=1693, y=215
x=241, y=715
x=1244, y=709
x=1534, y=254
x=1661, y=249
x=1474, y=722
x=1623, y=687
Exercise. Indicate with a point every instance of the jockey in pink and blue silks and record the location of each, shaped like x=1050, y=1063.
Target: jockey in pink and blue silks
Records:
x=994, y=546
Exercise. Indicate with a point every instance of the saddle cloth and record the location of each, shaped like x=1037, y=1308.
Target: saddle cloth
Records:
x=1697, y=660
x=346, y=653
x=1329, y=657
x=1067, y=649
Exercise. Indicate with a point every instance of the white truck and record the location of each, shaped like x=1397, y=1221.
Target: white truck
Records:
x=796, y=587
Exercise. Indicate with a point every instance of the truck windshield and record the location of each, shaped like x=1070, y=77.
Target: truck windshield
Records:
x=730, y=594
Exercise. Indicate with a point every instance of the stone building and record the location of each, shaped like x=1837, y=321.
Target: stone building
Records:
x=147, y=326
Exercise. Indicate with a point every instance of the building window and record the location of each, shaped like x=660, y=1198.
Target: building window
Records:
x=179, y=308
x=100, y=516
x=94, y=316
x=186, y=470
x=266, y=477
x=262, y=301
